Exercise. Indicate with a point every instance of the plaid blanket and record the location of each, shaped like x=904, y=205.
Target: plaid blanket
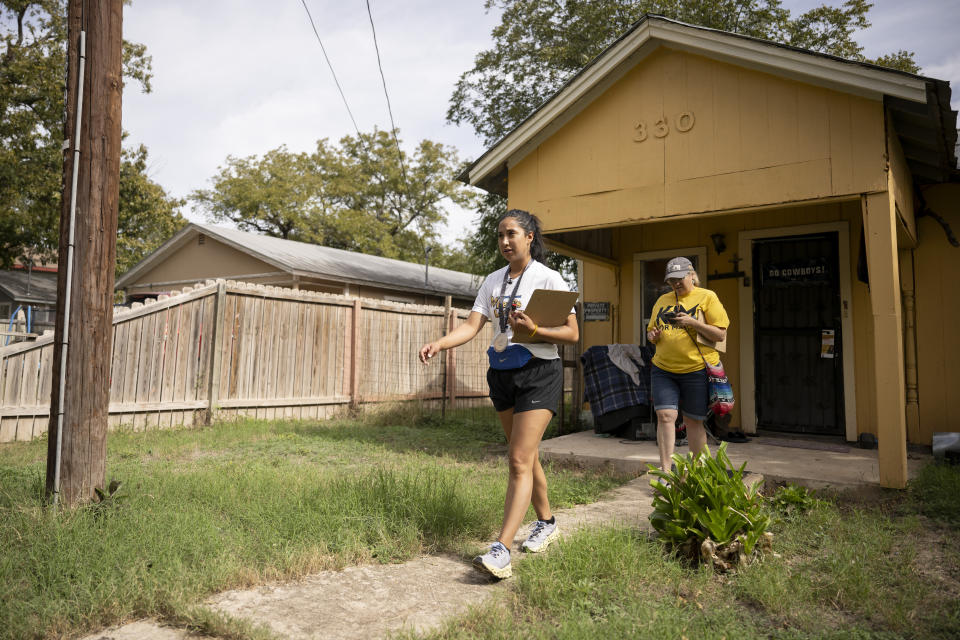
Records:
x=607, y=388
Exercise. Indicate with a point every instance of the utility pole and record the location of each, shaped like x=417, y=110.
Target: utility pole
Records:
x=80, y=395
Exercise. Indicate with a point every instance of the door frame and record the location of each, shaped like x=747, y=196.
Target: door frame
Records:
x=748, y=397
x=640, y=332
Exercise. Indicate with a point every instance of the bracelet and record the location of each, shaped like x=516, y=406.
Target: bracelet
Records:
x=535, y=328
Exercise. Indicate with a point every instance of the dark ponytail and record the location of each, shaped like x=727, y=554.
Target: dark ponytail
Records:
x=530, y=224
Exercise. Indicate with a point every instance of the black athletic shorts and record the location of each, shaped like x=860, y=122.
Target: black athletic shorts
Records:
x=536, y=385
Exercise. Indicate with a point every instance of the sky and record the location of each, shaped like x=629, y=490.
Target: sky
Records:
x=242, y=77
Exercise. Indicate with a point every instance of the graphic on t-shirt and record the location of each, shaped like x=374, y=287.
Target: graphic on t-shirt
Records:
x=498, y=303
x=667, y=314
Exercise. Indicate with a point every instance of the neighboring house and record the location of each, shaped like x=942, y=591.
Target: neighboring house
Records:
x=34, y=289
x=791, y=179
x=200, y=251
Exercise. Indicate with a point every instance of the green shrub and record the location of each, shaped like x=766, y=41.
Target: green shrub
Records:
x=704, y=510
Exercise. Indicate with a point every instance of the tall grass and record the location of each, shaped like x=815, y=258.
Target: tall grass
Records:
x=841, y=571
x=608, y=582
x=935, y=493
x=231, y=506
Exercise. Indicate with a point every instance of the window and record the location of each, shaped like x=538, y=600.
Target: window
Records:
x=648, y=270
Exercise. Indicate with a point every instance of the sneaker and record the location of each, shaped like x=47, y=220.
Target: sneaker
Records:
x=496, y=562
x=541, y=535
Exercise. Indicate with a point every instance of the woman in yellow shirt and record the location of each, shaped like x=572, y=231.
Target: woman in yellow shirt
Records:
x=678, y=379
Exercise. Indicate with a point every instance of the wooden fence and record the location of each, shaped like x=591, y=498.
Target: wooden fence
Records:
x=229, y=349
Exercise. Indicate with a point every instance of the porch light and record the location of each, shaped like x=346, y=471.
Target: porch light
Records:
x=719, y=242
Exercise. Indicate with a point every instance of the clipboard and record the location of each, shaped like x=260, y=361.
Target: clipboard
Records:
x=718, y=346
x=548, y=308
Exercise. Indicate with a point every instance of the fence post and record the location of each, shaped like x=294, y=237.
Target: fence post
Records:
x=447, y=303
x=576, y=403
x=451, y=375
x=355, y=354
x=563, y=387
x=216, y=350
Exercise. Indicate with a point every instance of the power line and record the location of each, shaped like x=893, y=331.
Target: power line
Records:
x=393, y=126
x=332, y=72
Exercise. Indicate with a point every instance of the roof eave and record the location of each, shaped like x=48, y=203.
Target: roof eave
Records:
x=180, y=239
x=380, y=285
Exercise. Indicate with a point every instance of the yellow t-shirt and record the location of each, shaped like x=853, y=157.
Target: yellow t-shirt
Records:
x=676, y=351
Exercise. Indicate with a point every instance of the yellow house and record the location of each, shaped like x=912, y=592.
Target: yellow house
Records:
x=814, y=195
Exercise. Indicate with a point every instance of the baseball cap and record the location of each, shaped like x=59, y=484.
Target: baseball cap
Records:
x=678, y=268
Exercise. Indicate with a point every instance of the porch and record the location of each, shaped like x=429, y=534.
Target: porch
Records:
x=816, y=464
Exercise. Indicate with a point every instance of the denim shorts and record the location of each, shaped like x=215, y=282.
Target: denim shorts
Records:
x=684, y=391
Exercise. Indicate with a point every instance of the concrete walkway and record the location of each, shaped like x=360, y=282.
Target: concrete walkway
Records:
x=811, y=463
x=373, y=601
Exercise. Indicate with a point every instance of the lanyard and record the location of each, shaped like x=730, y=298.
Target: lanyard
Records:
x=513, y=294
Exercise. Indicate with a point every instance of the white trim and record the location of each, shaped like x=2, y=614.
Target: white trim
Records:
x=639, y=333
x=768, y=57
x=807, y=67
x=747, y=396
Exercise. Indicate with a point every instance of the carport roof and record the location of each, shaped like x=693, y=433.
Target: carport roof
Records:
x=312, y=260
x=920, y=106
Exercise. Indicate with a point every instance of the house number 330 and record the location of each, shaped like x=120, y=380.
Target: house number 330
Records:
x=683, y=122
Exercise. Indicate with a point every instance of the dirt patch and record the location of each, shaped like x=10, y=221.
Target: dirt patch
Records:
x=143, y=630
x=937, y=560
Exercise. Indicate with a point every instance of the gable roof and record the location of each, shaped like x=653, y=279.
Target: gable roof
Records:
x=313, y=260
x=37, y=287
x=919, y=105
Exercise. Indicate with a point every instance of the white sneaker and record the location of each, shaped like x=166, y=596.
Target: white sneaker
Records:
x=496, y=562
x=541, y=535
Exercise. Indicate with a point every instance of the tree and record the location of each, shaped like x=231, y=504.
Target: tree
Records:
x=356, y=195
x=32, y=85
x=539, y=44
x=148, y=217
x=277, y=195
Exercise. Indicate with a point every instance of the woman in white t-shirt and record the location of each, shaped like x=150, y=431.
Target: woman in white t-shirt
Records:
x=526, y=380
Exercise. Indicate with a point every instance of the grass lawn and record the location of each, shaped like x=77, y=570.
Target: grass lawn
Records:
x=885, y=570
x=205, y=510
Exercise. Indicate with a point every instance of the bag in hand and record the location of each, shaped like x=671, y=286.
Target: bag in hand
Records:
x=719, y=392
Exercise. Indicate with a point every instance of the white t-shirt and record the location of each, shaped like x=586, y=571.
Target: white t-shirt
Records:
x=537, y=276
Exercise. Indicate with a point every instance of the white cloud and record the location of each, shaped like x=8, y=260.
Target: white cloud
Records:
x=241, y=77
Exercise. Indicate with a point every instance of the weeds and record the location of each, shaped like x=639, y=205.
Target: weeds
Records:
x=841, y=571
x=206, y=510
x=793, y=500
